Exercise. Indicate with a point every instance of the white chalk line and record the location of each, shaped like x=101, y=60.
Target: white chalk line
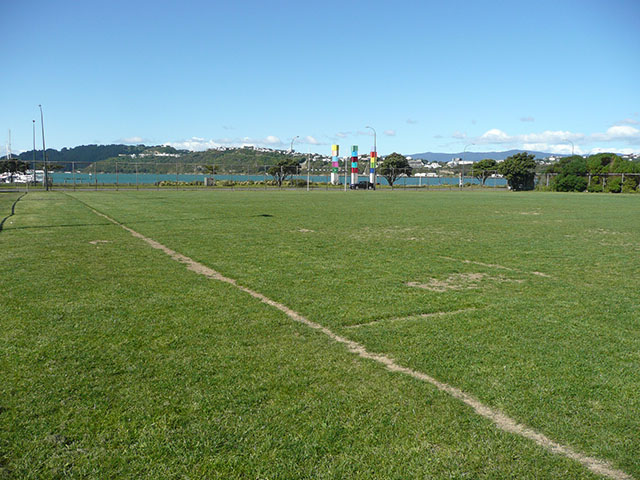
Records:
x=410, y=317
x=494, y=265
x=501, y=420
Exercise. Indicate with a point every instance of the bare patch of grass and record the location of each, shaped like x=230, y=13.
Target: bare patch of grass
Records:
x=456, y=281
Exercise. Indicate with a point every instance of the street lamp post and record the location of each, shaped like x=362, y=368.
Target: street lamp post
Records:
x=44, y=153
x=372, y=174
x=34, y=153
x=462, y=165
x=572, y=146
x=308, y=168
x=292, y=140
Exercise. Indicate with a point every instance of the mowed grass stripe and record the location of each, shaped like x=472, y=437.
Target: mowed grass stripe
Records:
x=5, y=211
x=501, y=420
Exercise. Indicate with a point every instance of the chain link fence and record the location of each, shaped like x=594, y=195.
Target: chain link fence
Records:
x=127, y=175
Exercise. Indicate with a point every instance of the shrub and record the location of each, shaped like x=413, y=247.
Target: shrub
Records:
x=570, y=183
x=630, y=185
x=595, y=185
x=614, y=185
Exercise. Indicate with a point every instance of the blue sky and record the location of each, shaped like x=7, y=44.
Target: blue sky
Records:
x=427, y=75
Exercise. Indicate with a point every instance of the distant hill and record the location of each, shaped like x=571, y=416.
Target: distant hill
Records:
x=85, y=154
x=476, y=156
x=158, y=158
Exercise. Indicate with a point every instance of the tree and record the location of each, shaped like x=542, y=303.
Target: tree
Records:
x=393, y=166
x=569, y=183
x=283, y=170
x=571, y=174
x=13, y=166
x=519, y=170
x=482, y=169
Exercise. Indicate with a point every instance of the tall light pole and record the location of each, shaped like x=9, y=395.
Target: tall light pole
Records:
x=572, y=146
x=44, y=152
x=34, y=152
x=372, y=169
x=462, y=160
x=292, y=140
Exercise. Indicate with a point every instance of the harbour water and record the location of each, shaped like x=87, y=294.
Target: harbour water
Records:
x=69, y=178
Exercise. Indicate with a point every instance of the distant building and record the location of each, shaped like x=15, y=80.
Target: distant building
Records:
x=458, y=161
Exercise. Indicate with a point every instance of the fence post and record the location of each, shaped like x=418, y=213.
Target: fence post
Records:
x=137, y=176
x=73, y=170
x=116, y=175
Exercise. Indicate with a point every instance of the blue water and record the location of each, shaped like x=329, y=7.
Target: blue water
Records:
x=151, y=178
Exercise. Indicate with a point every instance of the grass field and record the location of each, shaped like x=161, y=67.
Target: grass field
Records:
x=118, y=362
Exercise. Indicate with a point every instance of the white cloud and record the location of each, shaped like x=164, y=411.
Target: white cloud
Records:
x=411, y=121
x=560, y=141
x=343, y=134
x=492, y=136
x=132, y=140
x=562, y=148
x=272, y=140
x=527, y=119
x=194, y=144
x=627, y=121
x=390, y=133
x=199, y=144
x=459, y=135
x=619, y=132
x=311, y=140
x=593, y=151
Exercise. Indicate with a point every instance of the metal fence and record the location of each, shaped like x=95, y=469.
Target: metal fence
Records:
x=116, y=175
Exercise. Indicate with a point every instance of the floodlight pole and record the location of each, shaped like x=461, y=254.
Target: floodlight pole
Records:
x=572, y=146
x=345, y=174
x=44, y=152
x=34, y=152
x=462, y=166
x=308, y=169
x=292, y=140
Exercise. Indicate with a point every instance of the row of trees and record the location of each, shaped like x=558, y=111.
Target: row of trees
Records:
x=596, y=173
x=519, y=169
x=13, y=166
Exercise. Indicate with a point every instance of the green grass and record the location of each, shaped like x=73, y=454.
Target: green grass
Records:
x=120, y=363
x=7, y=199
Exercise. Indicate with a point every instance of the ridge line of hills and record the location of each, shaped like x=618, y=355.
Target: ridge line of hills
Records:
x=227, y=158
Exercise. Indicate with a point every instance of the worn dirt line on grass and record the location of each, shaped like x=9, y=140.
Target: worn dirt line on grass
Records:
x=501, y=420
x=13, y=211
x=495, y=265
x=410, y=317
